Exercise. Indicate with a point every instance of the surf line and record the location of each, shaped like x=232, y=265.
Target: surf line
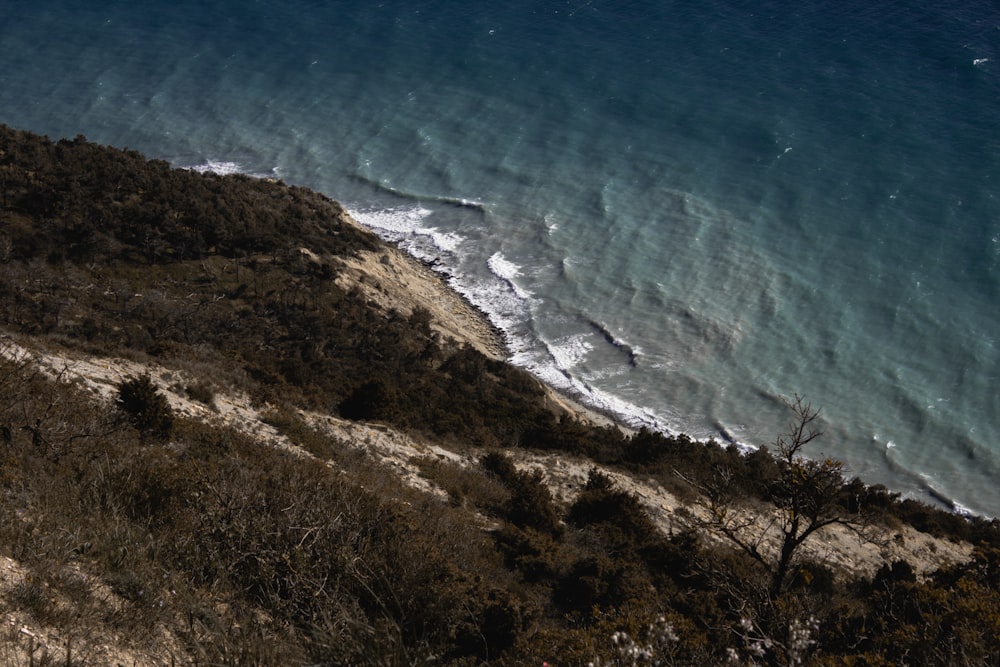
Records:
x=621, y=345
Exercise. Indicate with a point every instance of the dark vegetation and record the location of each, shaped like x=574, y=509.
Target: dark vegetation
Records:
x=251, y=555
x=143, y=406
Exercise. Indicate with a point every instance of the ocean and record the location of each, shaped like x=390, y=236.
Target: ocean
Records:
x=682, y=213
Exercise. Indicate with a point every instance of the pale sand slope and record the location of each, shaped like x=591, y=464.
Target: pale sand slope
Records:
x=395, y=280
x=566, y=476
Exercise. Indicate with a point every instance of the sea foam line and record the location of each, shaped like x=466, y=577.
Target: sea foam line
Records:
x=228, y=168
x=404, y=225
x=494, y=294
x=508, y=306
x=220, y=167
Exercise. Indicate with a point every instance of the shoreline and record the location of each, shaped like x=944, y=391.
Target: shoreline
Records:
x=461, y=320
x=453, y=314
x=393, y=278
x=396, y=278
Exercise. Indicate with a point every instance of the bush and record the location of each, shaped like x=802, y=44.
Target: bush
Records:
x=613, y=512
x=202, y=392
x=145, y=407
x=530, y=504
x=375, y=399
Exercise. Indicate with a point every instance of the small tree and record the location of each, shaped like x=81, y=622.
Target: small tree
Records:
x=806, y=497
x=808, y=492
x=145, y=407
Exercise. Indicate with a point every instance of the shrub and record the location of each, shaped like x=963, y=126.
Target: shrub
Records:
x=613, y=512
x=202, y=392
x=530, y=504
x=375, y=399
x=145, y=407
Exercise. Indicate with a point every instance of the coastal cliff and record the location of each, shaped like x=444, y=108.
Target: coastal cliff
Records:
x=344, y=470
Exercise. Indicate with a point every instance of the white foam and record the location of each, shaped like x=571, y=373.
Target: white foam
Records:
x=502, y=267
x=447, y=241
x=220, y=167
x=570, y=351
x=507, y=271
x=228, y=168
x=632, y=414
x=551, y=225
x=961, y=509
x=552, y=365
x=396, y=221
x=404, y=224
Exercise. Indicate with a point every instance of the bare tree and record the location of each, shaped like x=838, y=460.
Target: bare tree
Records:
x=806, y=497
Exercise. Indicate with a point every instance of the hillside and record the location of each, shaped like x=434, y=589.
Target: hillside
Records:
x=240, y=429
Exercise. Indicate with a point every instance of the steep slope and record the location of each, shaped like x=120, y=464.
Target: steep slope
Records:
x=348, y=473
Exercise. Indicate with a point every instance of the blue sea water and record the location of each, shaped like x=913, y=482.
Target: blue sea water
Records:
x=679, y=212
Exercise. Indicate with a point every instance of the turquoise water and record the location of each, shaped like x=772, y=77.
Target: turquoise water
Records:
x=680, y=212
